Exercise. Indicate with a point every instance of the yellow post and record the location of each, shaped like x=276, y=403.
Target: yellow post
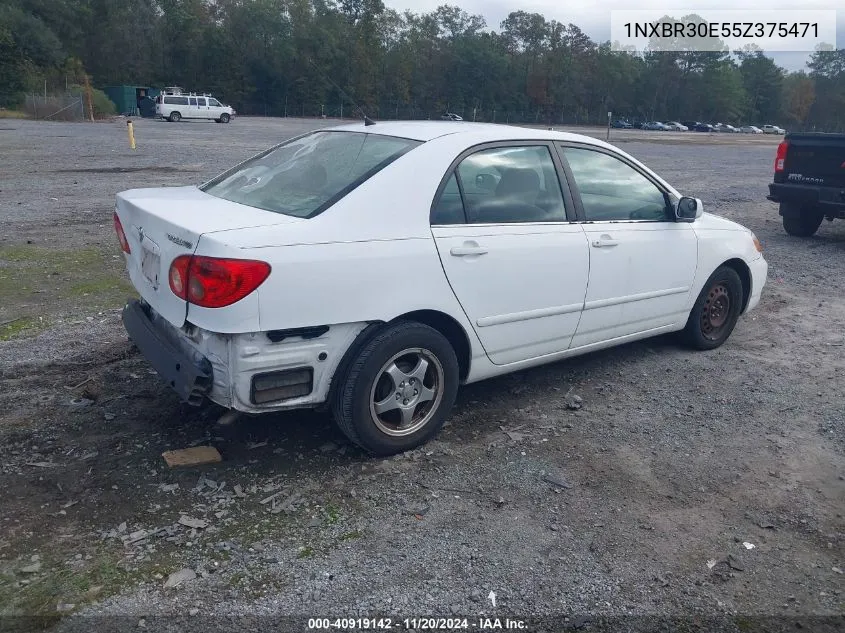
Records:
x=131, y=130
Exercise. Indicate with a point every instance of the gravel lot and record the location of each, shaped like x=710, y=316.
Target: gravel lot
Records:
x=674, y=461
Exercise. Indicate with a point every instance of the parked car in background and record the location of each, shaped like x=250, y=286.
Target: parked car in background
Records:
x=750, y=129
x=654, y=125
x=704, y=127
x=451, y=116
x=725, y=128
x=691, y=124
x=676, y=127
x=621, y=123
x=175, y=106
x=773, y=129
x=809, y=181
x=553, y=245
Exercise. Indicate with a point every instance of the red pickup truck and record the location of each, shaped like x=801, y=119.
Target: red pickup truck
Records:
x=809, y=181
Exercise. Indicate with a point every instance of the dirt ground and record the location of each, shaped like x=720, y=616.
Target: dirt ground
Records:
x=705, y=487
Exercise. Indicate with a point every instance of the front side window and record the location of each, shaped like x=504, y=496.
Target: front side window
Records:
x=511, y=184
x=305, y=176
x=213, y=102
x=612, y=190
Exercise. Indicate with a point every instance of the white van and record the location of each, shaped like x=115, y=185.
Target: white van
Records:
x=177, y=106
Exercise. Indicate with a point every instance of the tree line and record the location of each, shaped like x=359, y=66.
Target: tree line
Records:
x=313, y=57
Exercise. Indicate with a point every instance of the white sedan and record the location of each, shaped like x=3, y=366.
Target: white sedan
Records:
x=676, y=127
x=372, y=269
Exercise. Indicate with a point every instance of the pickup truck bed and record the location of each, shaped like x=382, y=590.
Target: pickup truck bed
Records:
x=809, y=181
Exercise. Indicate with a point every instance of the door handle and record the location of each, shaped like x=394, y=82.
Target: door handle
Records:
x=604, y=242
x=463, y=251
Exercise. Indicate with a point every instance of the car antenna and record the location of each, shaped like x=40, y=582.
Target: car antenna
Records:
x=367, y=120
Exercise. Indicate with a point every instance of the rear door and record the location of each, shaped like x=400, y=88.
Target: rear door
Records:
x=518, y=264
x=642, y=262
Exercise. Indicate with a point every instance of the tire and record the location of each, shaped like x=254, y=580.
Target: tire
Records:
x=716, y=311
x=803, y=223
x=224, y=118
x=175, y=117
x=387, y=371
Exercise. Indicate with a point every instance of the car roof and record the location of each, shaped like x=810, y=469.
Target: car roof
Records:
x=480, y=132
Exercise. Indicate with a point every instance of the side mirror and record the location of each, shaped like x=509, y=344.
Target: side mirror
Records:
x=688, y=209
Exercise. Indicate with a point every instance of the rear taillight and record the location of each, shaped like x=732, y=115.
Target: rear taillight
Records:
x=213, y=282
x=121, y=236
x=780, y=158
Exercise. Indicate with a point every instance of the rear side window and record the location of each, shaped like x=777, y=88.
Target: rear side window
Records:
x=305, y=176
x=503, y=185
x=449, y=208
x=201, y=101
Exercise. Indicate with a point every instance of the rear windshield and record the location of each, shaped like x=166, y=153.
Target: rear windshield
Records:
x=307, y=175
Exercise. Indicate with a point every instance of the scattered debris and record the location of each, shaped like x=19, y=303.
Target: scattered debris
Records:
x=193, y=523
x=79, y=403
x=239, y=491
x=267, y=500
x=574, y=403
x=735, y=563
x=766, y=524
x=192, y=456
x=32, y=569
x=69, y=504
x=178, y=577
x=748, y=545
x=168, y=487
x=253, y=445
x=557, y=480
x=193, y=611
x=41, y=464
x=711, y=563
x=63, y=607
x=838, y=570
x=514, y=436
x=419, y=513
x=84, y=382
x=287, y=505
x=328, y=447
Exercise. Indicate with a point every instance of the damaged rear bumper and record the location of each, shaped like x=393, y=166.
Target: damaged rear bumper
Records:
x=190, y=376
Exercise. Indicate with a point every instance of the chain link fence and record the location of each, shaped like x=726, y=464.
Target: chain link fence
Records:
x=404, y=112
x=55, y=107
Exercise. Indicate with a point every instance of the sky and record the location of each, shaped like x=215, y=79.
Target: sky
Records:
x=593, y=16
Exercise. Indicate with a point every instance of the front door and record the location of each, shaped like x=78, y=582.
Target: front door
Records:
x=515, y=262
x=642, y=262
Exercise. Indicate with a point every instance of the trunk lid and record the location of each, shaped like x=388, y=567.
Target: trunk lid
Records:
x=815, y=160
x=162, y=224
